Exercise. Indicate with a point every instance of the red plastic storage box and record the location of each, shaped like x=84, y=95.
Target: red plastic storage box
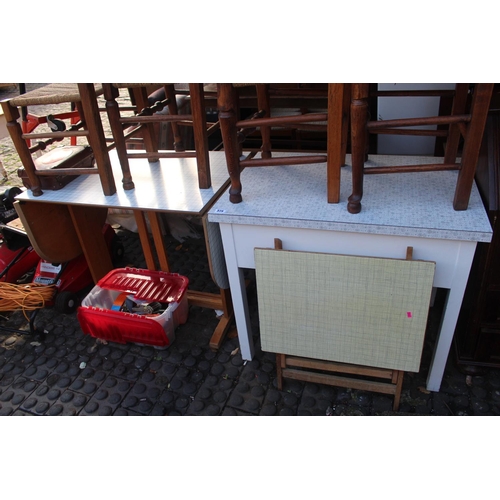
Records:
x=99, y=313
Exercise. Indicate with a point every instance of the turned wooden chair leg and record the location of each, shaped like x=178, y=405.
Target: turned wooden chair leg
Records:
x=359, y=117
x=264, y=104
x=470, y=154
x=173, y=110
x=112, y=108
x=200, y=134
x=149, y=135
x=228, y=119
x=12, y=116
x=338, y=123
x=459, y=107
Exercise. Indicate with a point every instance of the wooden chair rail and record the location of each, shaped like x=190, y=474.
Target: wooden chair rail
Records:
x=67, y=171
x=56, y=135
x=276, y=161
x=429, y=167
x=273, y=92
x=408, y=122
x=407, y=131
x=283, y=120
x=412, y=93
x=163, y=154
x=155, y=118
x=71, y=131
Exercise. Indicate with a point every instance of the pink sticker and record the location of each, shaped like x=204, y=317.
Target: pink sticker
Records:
x=408, y=314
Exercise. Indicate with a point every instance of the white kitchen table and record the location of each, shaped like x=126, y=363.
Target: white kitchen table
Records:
x=399, y=211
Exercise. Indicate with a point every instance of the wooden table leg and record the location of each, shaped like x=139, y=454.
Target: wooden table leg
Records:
x=225, y=322
x=399, y=385
x=161, y=249
x=147, y=248
x=159, y=243
x=280, y=364
x=220, y=301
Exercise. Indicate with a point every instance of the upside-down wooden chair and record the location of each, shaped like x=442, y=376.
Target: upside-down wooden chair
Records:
x=125, y=128
x=465, y=121
x=84, y=96
x=235, y=130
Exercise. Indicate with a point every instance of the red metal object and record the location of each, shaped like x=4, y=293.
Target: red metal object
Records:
x=18, y=258
x=16, y=263
x=31, y=122
x=69, y=277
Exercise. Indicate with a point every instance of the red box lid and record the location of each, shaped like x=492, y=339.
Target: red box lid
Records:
x=155, y=286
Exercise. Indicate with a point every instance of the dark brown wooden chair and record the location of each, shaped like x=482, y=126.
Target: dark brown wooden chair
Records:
x=126, y=128
x=79, y=160
x=466, y=122
x=235, y=130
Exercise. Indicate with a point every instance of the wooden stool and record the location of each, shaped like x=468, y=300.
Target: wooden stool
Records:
x=126, y=127
x=468, y=124
x=84, y=95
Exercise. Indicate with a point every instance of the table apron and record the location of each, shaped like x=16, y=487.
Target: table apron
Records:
x=452, y=257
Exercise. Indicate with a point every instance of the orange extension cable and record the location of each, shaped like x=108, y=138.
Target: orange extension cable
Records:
x=26, y=297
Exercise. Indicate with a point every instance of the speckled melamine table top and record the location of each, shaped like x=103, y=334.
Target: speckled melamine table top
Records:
x=171, y=184
x=408, y=204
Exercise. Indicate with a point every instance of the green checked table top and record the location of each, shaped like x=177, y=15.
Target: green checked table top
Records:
x=358, y=310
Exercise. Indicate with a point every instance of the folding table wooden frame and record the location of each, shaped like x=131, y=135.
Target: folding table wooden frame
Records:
x=363, y=319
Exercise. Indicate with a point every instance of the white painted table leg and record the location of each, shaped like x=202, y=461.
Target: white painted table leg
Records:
x=238, y=293
x=450, y=316
x=443, y=343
